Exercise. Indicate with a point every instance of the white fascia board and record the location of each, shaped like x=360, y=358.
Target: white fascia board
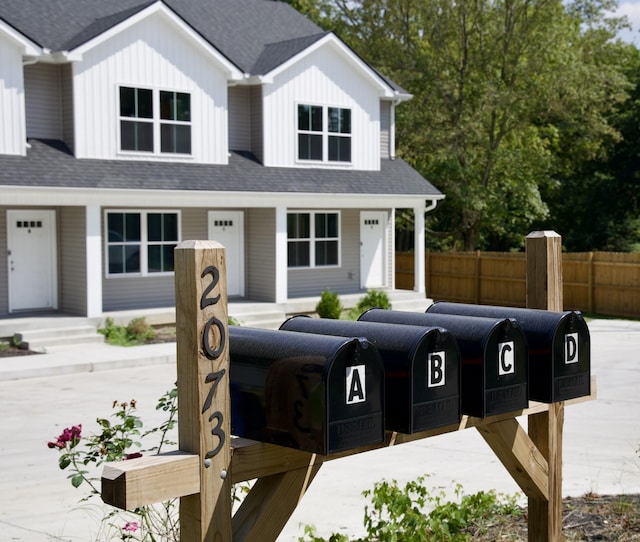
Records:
x=331, y=40
x=20, y=195
x=232, y=71
x=29, y=48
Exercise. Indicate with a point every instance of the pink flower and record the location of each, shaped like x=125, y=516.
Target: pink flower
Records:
x=69, y=434
x=130, y=527
x=133, y=455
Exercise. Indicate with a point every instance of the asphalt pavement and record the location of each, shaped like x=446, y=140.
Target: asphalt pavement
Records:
x=41, y=395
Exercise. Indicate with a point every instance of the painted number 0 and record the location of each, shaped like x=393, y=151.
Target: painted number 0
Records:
x=213, y=353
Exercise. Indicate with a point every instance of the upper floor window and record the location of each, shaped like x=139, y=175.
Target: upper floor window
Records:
x=324, y=133
x=313, y=239
x=148, y=116
x=141, y=243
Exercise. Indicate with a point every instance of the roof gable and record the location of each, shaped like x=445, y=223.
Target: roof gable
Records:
x=330, y=40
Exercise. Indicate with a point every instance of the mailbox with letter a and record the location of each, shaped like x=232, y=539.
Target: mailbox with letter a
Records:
x=493, y=355
x=421, y=365
x=312, y=392
x=559, y=348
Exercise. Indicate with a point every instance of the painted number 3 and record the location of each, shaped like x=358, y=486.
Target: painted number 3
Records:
x=213, y=352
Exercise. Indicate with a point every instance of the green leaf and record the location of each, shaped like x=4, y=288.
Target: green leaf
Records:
x=64, y=462
x=76, y=480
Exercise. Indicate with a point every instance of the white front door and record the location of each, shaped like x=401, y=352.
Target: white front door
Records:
x=372, y=249
x=227, y=227
x=31, y=251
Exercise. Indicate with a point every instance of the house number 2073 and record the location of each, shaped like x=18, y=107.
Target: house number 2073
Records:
x=213, y=352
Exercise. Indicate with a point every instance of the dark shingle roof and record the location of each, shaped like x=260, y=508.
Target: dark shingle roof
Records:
x=51, y=164
x=240, y=29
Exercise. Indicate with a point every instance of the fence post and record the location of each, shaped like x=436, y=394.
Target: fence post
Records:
x=544, y=291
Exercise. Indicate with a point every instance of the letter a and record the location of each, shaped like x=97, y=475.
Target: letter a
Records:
x=356, y=391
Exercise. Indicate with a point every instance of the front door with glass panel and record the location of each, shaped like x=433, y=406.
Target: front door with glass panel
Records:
x=227, y=227
x=32, y=253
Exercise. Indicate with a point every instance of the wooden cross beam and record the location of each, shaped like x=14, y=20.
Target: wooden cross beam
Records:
x=210, y=461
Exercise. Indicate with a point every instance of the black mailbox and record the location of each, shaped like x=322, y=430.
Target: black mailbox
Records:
x=312, y=392
x=421, y=365
x=559, y=348
x=493, y=354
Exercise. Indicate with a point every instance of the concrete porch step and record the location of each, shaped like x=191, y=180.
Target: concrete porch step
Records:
x=41, y=339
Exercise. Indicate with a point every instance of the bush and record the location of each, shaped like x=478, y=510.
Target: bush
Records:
x=397, y=514
x=329, y=305
x=374, y=299
x=136, y=332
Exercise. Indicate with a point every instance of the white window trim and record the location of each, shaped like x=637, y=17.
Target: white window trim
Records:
x=155, y=120
x=313, y=239
x=144, y=242
x=325, y=133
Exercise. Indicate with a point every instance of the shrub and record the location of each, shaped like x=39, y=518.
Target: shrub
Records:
x=329, y=305
x=136, y=332
x=374, y=299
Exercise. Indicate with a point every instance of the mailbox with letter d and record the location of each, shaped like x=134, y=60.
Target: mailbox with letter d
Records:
x=493, y=355
x=312, y=392
x=421, y=365
x=559, y=348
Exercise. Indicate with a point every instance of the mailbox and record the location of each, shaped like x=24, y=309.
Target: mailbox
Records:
x=312, y=392
x=559, y=348
x=493, y=354
x=421, y=366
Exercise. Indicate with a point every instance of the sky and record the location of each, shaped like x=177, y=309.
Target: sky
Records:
x=631, y=9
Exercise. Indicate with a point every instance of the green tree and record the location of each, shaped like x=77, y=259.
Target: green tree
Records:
x=508, y=94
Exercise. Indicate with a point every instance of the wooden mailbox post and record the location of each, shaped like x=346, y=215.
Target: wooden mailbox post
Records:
x=209, y=461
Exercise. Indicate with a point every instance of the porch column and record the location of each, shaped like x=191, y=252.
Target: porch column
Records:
x=281, y=286
x=418, y=251
x=93, y=261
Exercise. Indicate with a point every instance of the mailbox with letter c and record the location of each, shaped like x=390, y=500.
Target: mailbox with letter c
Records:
x=559, y=348
x=312, y=392
x=421, y=365
x=493, y=355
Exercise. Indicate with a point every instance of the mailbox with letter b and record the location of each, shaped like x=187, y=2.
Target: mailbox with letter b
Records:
x=421, y=365
x=312, y=392
x=493, y=355
x=559, y=348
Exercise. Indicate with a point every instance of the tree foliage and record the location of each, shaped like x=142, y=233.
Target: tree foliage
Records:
x=514, y=102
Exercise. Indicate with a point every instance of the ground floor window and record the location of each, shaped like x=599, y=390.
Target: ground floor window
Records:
x=313, y=239
x=141, y=242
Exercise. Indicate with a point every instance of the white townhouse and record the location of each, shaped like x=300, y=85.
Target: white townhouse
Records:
x=127, y=126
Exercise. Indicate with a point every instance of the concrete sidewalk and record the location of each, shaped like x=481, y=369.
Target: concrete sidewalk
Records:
x=40, y=395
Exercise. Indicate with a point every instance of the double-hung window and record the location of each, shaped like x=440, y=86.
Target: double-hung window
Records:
x=155, y=121
x=313, y=239
x=141, y=242
x=324, y=133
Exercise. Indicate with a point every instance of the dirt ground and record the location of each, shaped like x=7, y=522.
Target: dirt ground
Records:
x=589, y=518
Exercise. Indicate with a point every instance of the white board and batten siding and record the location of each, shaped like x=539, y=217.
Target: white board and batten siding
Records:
x=12, y=118
x=150, y=54
x=328, y=79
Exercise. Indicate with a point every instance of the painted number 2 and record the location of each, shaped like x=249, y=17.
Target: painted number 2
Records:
x=213, y=353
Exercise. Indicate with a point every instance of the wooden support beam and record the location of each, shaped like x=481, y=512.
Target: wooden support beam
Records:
x=544, y=291
x=131, y=484
x=270, y=503
x=203, y=389
x=527, y=466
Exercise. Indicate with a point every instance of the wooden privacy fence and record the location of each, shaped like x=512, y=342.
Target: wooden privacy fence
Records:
x=606, y=283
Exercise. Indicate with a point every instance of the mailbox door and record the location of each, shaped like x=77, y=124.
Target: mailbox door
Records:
x=571, y=359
